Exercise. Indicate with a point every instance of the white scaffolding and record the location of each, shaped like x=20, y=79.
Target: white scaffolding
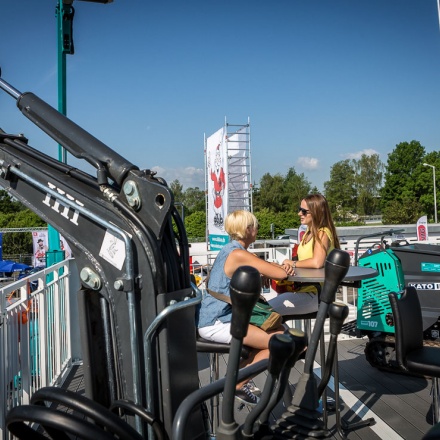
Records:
x=238, y=141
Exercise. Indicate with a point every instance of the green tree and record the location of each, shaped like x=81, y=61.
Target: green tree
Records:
x=280, y=220
x=271, y=193
x=13, y=214
x=280, y=194
x=177, y=189
x=195, y=225
x=194, y=200
x=368, y=180
x=424, y=185
x=7, y=204
x=296, y=187
x=286, y=220
x=402, y=166
x=19, y=242
x=340, y=190
x=397, y=212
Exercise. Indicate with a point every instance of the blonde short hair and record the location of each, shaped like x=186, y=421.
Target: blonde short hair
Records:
x=237, y=222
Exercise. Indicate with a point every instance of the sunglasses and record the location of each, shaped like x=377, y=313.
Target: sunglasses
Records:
x=303, y=211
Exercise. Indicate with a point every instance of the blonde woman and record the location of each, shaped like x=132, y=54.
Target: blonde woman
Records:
x=214, y=317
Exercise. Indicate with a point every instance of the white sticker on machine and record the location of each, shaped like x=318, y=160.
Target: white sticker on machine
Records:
x=425, y=286
x=113, y=250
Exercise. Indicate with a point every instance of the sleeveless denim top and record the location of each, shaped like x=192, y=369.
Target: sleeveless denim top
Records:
x=211, y=308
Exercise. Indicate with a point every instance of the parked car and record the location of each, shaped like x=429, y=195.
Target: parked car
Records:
x=282, y=237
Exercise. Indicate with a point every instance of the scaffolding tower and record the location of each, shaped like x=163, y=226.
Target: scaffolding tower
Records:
x=227, y=178
x=238, y=141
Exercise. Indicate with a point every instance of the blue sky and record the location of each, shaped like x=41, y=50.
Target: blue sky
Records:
x=321, y=81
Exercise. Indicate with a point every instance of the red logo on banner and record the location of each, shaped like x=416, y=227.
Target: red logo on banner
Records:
x=421, y=232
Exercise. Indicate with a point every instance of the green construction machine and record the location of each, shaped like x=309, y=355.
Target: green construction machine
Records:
x=399, y=264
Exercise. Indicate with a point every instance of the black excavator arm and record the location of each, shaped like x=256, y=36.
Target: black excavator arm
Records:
x=120, y=225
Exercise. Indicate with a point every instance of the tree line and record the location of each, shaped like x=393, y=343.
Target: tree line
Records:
x=13, y=214
x=401, y=190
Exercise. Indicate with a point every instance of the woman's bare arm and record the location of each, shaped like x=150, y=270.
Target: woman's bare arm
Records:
x=240, y=257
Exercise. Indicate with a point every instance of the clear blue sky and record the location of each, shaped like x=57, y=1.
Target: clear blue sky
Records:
x=321, y=81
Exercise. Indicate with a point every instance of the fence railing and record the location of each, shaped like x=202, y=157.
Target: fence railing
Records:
x=37, y=343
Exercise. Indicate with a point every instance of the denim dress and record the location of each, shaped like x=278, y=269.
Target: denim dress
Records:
x=211, y=308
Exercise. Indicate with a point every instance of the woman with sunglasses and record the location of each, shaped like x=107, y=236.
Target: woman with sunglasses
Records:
x=318, y=241
x=214, y=316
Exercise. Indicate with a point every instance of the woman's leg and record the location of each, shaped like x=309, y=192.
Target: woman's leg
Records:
x=258, y=340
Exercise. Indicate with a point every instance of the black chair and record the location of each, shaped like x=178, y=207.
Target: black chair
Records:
x=433, y=433
x=412, y=356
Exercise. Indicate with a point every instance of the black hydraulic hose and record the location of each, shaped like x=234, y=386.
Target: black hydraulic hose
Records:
x=169, y=263
x=174, y=269
x=180, y=260
x=102, y=171
x=185, y=409
x=87, y=407
x=53, y=163
x=173, y=260
x=108, y=325
x=59, y=424
x=125, y=406
x=183, y=245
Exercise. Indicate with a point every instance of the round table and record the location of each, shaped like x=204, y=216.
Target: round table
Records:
x=353, y=277
x=284, y=302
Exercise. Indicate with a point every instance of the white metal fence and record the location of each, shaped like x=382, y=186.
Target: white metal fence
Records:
x=38, y=344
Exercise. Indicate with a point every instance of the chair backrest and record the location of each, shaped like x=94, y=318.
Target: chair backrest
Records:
x=408, y=323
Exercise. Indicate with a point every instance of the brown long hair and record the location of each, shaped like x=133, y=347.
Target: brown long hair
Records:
x=321, y=217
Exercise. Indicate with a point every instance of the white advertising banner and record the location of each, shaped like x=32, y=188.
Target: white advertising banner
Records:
x=422, y=228
x=217, y=182
x=64, y=246
x=40, y=246
x=239, y=185
x=40, y=240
